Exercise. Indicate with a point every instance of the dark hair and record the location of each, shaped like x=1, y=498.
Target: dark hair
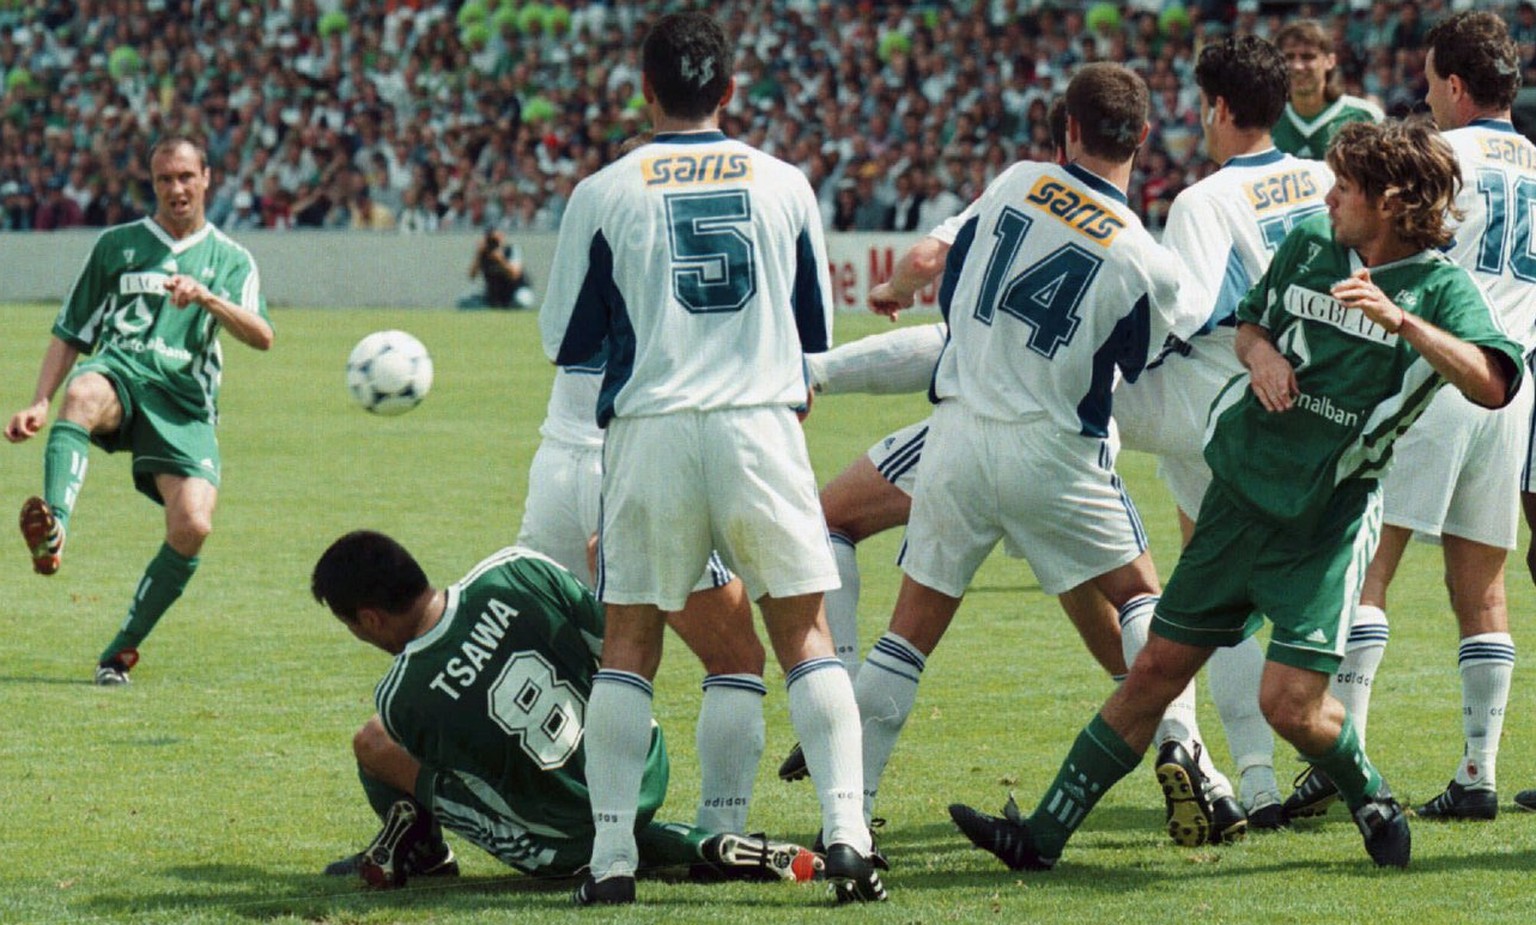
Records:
x=1250, y=74
x=1109, y=102
x=1056, y=118
x=1311, y=34
x=1476, y=47
x=688, y=61
x=172, y=142
x=366, y=569
x=1408, y=163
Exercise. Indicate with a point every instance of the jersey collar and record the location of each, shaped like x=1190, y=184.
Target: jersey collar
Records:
x=450, y=608
x=175, y=246
x=1261, y=159
x=1494, y=125
x=707, y=137
x=1097, y=182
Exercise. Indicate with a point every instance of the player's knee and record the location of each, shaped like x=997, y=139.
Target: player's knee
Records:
x=88, y=400
x=1289, y=716
x=189, y=531
x=369, y=742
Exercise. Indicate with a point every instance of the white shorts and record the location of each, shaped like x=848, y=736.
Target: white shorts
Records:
x=564, y=507
x=1164, y=412
x=738, y=480
x=1050, y=495
x=896, y=457
x=1458, y=470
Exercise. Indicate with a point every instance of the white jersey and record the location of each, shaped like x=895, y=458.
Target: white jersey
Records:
x=701, y=261
x=1050, y=287
x=1497, y=201
x=1226, y=227
x=571, y=416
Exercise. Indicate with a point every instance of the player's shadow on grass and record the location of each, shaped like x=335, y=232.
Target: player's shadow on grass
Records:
x=258, y=893
x=34, y=679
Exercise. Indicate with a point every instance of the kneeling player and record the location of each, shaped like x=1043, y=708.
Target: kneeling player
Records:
x=480, y=721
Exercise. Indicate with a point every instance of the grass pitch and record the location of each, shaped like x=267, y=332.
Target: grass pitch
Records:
x=216, y=786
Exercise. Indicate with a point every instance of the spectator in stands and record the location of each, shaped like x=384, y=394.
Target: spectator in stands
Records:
x=501, y=266
x=57, y=210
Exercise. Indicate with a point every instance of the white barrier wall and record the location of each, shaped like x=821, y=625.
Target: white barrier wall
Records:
x=345, y=270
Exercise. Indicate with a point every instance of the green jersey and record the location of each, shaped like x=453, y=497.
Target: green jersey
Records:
x=1309, y=137
x=492, y=700
x=1360, y=386
x=118, y=310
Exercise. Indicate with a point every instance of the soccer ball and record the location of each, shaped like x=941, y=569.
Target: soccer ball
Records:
x=389, y=372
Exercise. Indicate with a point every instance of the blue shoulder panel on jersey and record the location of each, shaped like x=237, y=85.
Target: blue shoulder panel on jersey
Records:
x=621, y=360
x=805, y=299
x=588, y=326
x=1235, y=284
x=955, y=262
x=1126, y=347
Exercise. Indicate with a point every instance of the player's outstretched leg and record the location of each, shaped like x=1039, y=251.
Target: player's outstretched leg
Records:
x=755, y=858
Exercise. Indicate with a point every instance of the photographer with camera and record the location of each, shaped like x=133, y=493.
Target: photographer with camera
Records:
x=506, y=284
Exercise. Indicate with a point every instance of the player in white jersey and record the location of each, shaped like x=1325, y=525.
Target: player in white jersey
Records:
x=1457, y=470
x=559, y=520
x=1051, y=286
x=700, y=262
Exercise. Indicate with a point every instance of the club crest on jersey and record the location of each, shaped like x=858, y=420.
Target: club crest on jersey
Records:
x=687, y=169
x=1406, y=299
x=1075, y=210
x=1304, y=303
x=128, y=253
x=206, y=274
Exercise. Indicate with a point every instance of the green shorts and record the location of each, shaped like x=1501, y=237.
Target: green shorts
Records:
x=1238, y=567
x=158, y=432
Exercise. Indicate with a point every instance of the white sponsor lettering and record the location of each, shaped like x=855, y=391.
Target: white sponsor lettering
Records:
x=1325, y=408
x=142, y=284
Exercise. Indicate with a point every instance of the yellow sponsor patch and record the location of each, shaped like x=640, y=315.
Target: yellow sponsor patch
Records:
x=1076, y=210
x=687, y=169
x=1282, y=190
x=1510, y=149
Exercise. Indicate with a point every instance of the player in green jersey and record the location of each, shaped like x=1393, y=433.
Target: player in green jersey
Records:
x=1346, y=337
x=1317, y=108
x=145, y=313
x=481, y=718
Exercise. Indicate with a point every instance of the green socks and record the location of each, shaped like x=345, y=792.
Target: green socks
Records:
x=1346, y=765
x=64, y=464
x=1097, y=761
x=163, y=581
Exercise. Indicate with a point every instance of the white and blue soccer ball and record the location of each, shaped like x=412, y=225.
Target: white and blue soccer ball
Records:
x=389, y=372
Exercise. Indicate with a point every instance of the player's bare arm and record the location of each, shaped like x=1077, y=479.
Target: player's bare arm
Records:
x=248, y=328
x=1269, y=373
x=1480, y=374
x=58, y=360
x=919, y=266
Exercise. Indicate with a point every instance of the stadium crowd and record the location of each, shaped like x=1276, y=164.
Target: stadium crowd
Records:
x=412, y=116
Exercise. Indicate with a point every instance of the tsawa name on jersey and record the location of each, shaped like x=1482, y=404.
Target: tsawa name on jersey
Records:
x=686, y=168
x=489, y=632
x=1076, y=210
x=1318, y=306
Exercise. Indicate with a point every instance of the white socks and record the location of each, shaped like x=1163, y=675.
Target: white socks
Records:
x=1233, y=676
x=843, y=605
x=1362, y=656
x=1487, y=660
x=886, y=690
x=730, y=739
x=822, y=709
x=618, y=739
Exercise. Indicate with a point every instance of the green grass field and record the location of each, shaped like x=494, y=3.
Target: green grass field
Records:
x=216, y=786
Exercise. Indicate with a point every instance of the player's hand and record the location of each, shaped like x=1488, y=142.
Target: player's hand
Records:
x=27, y=422
x=1358, y=292
x=1273, y=380
x=885, y=300
x=804, y=411
x=184, y=290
